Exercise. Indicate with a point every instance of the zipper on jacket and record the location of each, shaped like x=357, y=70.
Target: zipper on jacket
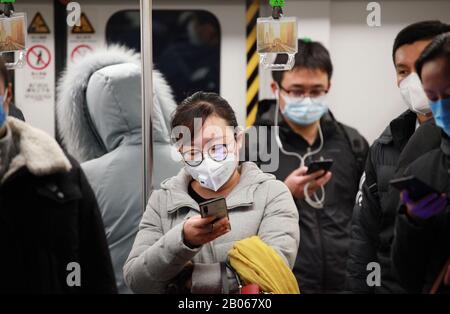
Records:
x=322, y=249
x=213, y=251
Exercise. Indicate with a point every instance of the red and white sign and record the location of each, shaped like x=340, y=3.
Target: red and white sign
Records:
x=80, y=51
x=39, y=57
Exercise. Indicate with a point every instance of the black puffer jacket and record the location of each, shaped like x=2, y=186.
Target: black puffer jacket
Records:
x=375, y=209
x=324, y=234
x=49, y=218
x=420, y=251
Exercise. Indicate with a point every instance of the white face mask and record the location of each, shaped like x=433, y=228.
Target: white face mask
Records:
x=213, y=174
x=413, y=94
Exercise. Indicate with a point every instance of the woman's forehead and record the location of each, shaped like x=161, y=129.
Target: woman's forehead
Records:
x=212, y=134
x=213, y=128
x=435, y=74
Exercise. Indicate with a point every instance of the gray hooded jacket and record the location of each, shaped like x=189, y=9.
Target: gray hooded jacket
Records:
x=99, y=116
x=258, y=205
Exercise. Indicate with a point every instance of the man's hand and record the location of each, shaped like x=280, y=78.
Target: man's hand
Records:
x=426, y=208
x=198, y=231
x=297, y=180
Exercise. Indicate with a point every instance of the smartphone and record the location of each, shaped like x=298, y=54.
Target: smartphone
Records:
x=417, y=189
x=316, y=165
x=216, y=207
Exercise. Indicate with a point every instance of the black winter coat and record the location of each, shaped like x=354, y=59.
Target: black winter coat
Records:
x=420, y=250
x=320, y=266
x=375, y=210
x=49, y=218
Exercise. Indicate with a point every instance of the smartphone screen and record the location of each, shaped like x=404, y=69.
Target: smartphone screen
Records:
x=216, y=207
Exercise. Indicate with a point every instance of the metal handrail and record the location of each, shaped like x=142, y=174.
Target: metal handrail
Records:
x=147, y=97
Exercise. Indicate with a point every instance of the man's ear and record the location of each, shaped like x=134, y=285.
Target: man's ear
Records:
x=274, y=87
x=329, y=86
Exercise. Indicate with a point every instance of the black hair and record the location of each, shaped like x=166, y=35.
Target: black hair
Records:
x=419, y=31
x=439, y=48
x=311, y=55
x=202, y=105
x=4, y=75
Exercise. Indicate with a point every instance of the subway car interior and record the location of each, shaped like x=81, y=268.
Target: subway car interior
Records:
x=228, y=147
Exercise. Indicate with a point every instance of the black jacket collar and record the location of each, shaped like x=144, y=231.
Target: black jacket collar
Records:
x=399, y=130
x=445, y=144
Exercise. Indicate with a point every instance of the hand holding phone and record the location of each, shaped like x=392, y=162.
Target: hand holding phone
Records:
x=298, y=179
x=422, y=201
x=198, y=231
x=212, y=223
x=417, y=189
x=317, y=165
x=426, y=208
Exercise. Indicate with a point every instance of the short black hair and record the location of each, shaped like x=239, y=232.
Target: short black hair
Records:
x=202, y=105
x=419, y=31
x=439, y=48
x=311, y=55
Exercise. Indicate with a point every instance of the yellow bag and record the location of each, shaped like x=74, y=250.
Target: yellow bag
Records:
x=258, y=263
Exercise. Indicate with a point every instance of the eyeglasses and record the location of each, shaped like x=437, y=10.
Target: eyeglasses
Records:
x=194, y=157
x=299, y=93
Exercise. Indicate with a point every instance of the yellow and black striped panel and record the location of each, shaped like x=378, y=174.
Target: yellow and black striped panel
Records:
x=252, y=61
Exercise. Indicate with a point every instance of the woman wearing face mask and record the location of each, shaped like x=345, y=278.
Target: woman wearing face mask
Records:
x=175, y=246
x=421, y=249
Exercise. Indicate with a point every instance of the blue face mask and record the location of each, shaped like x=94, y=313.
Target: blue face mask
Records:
x=441, y=114
x=304, y=111
x=2, y=113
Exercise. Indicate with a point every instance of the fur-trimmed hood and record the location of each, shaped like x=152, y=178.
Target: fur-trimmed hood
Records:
x=99, y=103
x=36, y=150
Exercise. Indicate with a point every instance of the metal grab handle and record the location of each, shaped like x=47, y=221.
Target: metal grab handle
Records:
x=264, y=61
x=20, y=63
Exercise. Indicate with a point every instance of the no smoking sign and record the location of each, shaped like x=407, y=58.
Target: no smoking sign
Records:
x=38, y=57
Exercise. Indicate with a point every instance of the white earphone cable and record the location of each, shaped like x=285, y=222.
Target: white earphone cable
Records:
x=317, y=203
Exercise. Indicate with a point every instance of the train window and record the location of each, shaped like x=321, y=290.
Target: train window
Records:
x=186, y=46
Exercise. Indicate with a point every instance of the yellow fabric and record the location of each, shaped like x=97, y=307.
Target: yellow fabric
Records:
x=258, y=263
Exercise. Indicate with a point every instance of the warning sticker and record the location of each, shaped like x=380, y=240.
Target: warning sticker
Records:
x=85, y=26
x=80, y=51
x=38, y=91
x=38, y=25
x=38, y=57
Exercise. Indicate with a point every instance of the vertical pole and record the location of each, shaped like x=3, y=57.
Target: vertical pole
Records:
x=252, y=13
x=60, y=15
x=147, y=97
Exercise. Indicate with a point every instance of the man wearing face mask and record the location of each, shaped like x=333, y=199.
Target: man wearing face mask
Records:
x=309, y=132
x=421, y=249
x=405, y=139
